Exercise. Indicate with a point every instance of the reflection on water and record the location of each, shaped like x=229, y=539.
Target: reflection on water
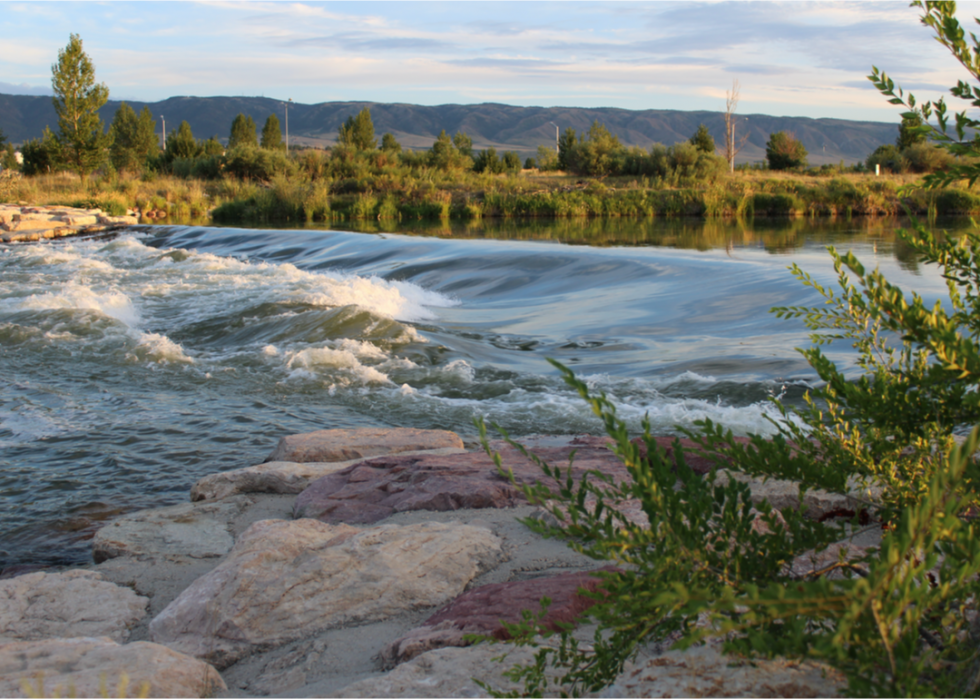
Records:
x=777, y=235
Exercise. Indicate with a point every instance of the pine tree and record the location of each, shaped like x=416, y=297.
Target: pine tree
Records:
x=81, y=141
x=134, y=138
x=182, y=144
x=358, y=131
x=702, y=140
x=242, y=133
x=272, y=135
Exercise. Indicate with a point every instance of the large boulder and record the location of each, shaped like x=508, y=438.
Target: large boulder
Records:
x=93, y=667
x=705, y=672
x=484, y=610
x=284, y=580
x=75, y=603
x=377, y=488
x=362, y=443
x=188, y=530
x=283, y=477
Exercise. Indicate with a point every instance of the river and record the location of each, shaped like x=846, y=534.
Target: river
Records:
x=134, y=365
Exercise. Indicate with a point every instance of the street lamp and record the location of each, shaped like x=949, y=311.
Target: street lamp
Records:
x=286, y=105
x=163, y=133
x=556, y=134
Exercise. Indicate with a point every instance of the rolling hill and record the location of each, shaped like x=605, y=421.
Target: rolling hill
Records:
x=501, y=126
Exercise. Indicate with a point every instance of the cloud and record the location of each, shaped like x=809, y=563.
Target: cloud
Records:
x=24, y=89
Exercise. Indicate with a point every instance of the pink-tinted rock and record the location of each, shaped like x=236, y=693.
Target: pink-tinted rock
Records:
x=377, y=488
x=484, y=609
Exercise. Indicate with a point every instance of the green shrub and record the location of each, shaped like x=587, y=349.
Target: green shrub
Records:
x=897, y=620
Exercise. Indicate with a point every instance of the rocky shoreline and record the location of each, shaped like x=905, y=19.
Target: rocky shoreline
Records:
x=350, y=563
x=23, y=224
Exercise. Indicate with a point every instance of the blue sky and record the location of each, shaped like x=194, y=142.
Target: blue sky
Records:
x=790, y=58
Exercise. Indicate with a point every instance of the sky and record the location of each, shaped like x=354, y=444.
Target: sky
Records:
x=789, y=58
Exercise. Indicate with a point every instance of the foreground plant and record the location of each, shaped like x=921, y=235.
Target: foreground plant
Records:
x=899, y=619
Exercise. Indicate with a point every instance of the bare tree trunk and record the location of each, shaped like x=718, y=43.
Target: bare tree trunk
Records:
x=732, y=145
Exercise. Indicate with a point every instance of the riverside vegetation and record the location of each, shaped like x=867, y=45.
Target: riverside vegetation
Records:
x=900, y=618
x=592, y=175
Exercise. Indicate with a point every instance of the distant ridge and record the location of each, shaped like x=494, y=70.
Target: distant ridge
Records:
x=501, y=126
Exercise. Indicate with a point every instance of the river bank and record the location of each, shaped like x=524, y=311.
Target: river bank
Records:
x=310, y=198
x=415, y=543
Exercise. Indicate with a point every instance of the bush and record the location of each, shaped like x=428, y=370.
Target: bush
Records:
x=898, y=620
x=785, y=152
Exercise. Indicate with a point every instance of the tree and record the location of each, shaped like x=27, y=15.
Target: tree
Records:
x=702, y=140
x=3, y=139
x=358, y=131
x=182, y=144
x=784, y=151
x=242, y=133
x=445, y=156
x=390, y=144
x=40, y=156
x=511, y=161
x=595, y=154
x=488, y=161
x=566, y=145
x=134, y=139
x=463, y=143
x=272, y=135
x=910, y=131
x=732, y=145
x=212, y=146
x=81, y=141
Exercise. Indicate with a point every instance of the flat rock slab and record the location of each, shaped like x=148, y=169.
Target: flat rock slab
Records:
x=445, y=672
x=189, y=530
x=283, y=477
x=94, y=667
x=285, y=580
x=818, y=504
x=484, y=609
x=37, y=606
x=377, y=488
x=705, y=672
x=362, y=443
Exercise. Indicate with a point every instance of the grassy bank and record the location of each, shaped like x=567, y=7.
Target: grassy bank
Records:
x=299, y=197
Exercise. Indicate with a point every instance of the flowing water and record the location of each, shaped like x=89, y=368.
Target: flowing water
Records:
x=134, y=365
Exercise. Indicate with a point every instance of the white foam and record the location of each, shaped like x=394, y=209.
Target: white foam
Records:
x=113, y=304
x=311, y=359
x=159, y=349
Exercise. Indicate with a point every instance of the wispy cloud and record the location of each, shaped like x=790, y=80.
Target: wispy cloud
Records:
x=805, y=58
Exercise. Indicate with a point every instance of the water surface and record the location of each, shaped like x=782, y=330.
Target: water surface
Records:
x=132, y=366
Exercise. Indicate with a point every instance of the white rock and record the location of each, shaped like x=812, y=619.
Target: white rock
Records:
x=92, y=667
x=75, y=603
x=188, y=530
x=284, y=580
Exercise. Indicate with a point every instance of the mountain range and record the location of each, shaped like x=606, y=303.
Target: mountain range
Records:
x=504, y=127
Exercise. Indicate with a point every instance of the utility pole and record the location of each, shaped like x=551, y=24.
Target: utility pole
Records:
x=286, y=105
x=556, y=135
x=163, y=134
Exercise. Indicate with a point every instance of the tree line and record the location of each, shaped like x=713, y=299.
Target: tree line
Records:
x=131, y=144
